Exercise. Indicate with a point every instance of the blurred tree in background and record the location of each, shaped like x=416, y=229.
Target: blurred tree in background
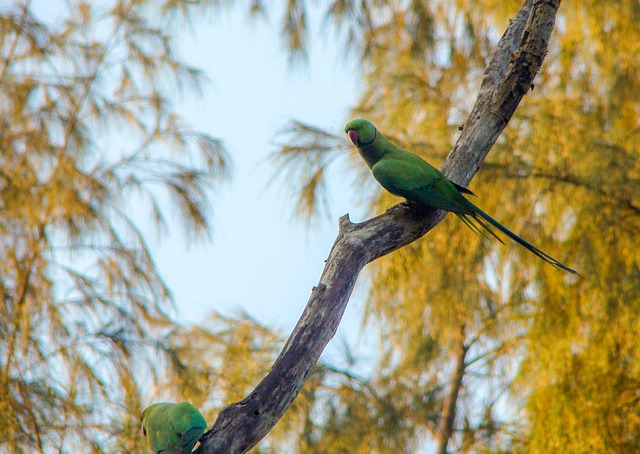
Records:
x=88, y=133
x=483, y=348
x=501, y=352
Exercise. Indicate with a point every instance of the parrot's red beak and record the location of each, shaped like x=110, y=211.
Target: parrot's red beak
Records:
x=353, y=136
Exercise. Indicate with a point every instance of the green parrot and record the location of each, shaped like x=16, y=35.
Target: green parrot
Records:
x=172, y=428
x=407, y=175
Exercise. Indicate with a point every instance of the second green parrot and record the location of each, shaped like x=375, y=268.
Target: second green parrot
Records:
x=172, y=428
x=408, y=175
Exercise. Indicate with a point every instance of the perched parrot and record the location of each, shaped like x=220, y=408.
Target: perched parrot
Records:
x=407, y=175
x=172, y=428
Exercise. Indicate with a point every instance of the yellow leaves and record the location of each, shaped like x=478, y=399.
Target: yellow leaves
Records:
x=581, y=409
x=86, y=124
x=564, y=175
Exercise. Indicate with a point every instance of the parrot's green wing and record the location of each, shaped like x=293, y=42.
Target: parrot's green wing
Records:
x=416, y=180
x=408, y=175
x=173, y=428
x=189, y=425
x=190, y=438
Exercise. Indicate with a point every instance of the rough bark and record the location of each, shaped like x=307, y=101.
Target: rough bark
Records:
x=508, y=77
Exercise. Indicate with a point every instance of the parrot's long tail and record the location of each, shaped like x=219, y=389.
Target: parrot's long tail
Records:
x=481, y=222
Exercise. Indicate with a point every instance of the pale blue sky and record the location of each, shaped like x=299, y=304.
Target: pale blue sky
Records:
x=260, y=260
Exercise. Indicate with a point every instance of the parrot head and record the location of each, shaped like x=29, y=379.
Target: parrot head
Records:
x=361, y=132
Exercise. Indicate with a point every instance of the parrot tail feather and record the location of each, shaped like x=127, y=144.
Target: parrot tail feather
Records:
x=486, y=221
x=478, y=225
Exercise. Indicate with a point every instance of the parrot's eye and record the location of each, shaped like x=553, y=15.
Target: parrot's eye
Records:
x=363, y=125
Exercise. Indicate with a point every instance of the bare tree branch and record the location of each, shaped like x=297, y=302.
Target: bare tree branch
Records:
x=448, y=419
x=508, y=77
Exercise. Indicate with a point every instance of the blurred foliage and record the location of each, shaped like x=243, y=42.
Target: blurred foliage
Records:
x=553, y=361
x=550, y=362
x=88, y=133
x=302, y=161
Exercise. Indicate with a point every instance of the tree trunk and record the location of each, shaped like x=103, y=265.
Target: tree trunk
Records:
x=451, y=402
